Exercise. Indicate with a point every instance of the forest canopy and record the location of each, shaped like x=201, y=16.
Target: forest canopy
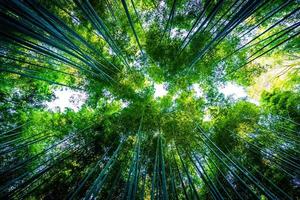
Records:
x=149, y=99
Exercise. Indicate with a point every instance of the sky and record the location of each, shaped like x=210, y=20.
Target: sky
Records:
x=229, y=90
x=67, y=98
x=236, y=92
x=233, y=90
x=198, y=90
x=160, y=90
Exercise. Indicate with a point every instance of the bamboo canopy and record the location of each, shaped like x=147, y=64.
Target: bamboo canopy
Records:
x=172, y=99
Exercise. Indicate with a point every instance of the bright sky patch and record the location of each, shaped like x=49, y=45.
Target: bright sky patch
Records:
x=67, y=98
x=236, y=92
x=233, y=90
x=160, y=90
x=198, y=90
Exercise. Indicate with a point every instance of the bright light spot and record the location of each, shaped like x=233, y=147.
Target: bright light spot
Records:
x=75, y=20
x=253, y=101
x=198, y=90
x=275, y=78
x=67, y=98
x=207, y=116
x=236, y=92
x=124, y=104
x=111, y=51
x=176, y=96
x=108, y=95
x=136, y=64
x=179, y=33
x=162, y=5
x=233, y=90
x=159, y=90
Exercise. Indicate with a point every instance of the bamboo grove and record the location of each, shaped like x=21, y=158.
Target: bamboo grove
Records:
x=126, y=142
